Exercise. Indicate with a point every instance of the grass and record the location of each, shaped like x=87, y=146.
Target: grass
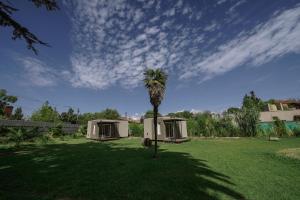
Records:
x=123, y=169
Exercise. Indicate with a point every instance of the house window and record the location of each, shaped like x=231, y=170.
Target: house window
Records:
x=297, y=118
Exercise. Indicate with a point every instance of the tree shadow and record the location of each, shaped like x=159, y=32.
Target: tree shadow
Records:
x=108, y=171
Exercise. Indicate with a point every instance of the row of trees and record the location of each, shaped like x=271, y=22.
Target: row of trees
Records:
x=233, y=122
x=47, y=113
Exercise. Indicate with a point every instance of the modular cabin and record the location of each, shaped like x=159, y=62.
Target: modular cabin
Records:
x=104, y=129
x=169, y=129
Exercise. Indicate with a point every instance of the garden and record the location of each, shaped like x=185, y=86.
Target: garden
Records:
x=77, y=168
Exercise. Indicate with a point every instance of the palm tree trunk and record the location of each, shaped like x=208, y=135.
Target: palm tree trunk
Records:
x=155, y=111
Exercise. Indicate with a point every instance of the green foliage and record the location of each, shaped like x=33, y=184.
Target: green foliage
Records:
x=149, y=114
x=46, y=114
x=192, y=127
x=105, y=114
x=209, y=125
x=296, y=131
x=224, y=127
x=279, y=127
x=19, y=135
x=232, y=110
x=155, y=81
x=56, y=131
x=110, y=114
x=136, y=129
x=18, y=114
x=5, y=100
x=69, y=116
x=82, y=130
x=16, y=136
x=248, y=117
x=184, y=114
x=3, y=131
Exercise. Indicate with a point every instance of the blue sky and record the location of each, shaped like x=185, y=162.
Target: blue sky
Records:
x=213, y=51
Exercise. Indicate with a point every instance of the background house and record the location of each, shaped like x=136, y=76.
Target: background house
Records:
x=286, y=110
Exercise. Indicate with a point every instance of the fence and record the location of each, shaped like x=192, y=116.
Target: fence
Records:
x=42, y=126
x=270, y=125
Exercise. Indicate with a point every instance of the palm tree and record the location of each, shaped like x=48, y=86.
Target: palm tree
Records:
x=155, y=81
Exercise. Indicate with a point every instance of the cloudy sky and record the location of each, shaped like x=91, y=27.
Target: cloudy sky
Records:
x=213, y=51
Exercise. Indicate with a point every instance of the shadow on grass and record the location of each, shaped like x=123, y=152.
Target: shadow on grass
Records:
x=108, y=171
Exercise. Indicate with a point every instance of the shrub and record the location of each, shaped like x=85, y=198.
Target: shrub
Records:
x=136, y=129
x=31, y=134
x=56, y=131
x=3, y=131
x=192, y=127
x=296, y=132
x=280, y=127
x=16, y=136
x=43, y=139
x=81, y=131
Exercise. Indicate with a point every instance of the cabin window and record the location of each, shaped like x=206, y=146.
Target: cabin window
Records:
x=297, y=118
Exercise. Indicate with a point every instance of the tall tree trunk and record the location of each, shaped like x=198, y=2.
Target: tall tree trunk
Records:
x=155, y=111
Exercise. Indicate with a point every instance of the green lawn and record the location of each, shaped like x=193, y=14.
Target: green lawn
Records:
x=200, y=169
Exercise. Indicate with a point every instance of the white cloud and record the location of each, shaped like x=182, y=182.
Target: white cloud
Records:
x=236, y=5
x=221, y=2
x=37, y=72
x=211, y=27
x=114, y=41
x=268, y=41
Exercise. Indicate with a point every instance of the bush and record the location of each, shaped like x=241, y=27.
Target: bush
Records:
x=16, y=136
x=43, y=139
x=19, y=135
x=3, y=131
x=30, y=135
x=192, y=127
x=81, y=131
x=280, y=128
x=296, y=132
x=56, y=131
x=136, y=129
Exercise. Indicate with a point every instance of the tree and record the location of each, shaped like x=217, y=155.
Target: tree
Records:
x=110, y=114
x=19, y=31
x=232, y=110
x=149, y=114
x=46, y=114
x=5, y=100
x=248, y=117
x=69, y=116
x=155, y=82
x=18, y=115
x=183, y=114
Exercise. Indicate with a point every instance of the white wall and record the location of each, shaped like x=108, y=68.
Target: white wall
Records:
x=287, y=115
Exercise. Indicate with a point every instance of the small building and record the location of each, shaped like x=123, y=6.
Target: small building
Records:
x=169, y=129
x=286, y=110
x=105, y=129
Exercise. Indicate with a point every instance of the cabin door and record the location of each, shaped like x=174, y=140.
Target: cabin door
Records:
x=106, y=130
x=169, y=129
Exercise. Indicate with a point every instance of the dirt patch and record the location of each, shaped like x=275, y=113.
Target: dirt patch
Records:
x=291, y=153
